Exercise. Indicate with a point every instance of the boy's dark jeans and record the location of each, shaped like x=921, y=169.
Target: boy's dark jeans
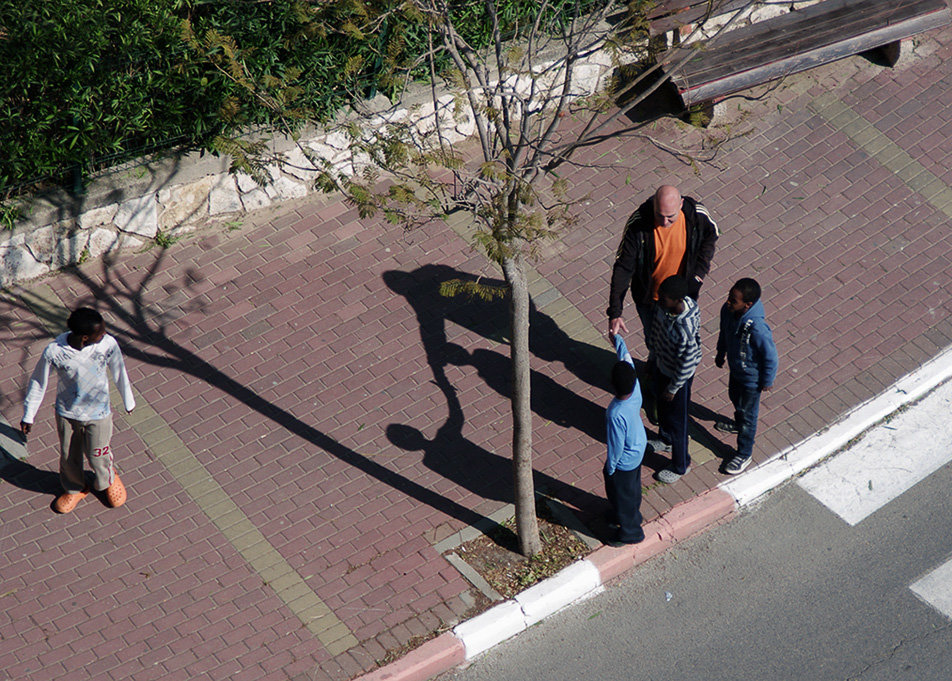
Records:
x=673, y=420
x=623, y=489
x=746, y=403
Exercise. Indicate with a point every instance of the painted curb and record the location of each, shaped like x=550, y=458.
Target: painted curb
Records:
x=587, y=577
x=570, y=585
x=490, y=628
x=574, y=583
x=810, y=451
x=612, y=562
x=577, y=581
x=691, y=517
x=432, y=658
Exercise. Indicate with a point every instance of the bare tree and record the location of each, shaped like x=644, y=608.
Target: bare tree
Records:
x=523, y=96
x=530, y=94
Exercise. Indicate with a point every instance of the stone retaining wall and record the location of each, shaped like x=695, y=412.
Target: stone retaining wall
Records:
x=145, y=200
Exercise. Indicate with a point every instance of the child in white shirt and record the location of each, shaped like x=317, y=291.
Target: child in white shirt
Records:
x=83, y=415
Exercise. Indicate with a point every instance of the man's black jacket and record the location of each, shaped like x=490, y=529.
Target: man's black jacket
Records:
x=636, y=253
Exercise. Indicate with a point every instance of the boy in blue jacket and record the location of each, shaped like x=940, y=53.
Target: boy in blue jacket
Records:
x=747, y=343
x=626, y=448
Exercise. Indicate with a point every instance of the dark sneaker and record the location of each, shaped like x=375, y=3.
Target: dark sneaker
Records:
x=615, y=542
x=726, y=427
x=736, y=465
x=659, y=445
x=667, y=476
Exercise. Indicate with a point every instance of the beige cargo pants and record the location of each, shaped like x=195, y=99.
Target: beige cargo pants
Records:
x=89, y=439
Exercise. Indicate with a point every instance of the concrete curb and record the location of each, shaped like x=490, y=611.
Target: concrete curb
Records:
x=681, y=522
x=575, y=583
x=688, y=519
x=587, y=577
x=433, y=657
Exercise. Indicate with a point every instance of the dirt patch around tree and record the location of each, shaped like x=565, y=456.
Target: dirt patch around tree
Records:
x=495, y=555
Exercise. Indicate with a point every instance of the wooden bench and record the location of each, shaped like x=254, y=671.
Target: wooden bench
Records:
x=669, y=16
x=705, y=71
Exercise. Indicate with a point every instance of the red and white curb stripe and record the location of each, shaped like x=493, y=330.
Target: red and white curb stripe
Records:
x=587, y=577
x=809, y=452
x=577, y=582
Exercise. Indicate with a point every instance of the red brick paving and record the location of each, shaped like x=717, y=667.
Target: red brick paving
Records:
x=357, y=418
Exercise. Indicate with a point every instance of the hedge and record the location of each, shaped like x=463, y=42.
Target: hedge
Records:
x=91, y=83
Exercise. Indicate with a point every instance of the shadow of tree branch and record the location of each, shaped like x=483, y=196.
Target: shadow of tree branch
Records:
x=142, y=329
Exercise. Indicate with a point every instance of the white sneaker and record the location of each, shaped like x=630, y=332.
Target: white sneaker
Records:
x=736, y=465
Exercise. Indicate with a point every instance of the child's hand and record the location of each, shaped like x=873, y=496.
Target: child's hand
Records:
x=25, y=428
x=719, y=361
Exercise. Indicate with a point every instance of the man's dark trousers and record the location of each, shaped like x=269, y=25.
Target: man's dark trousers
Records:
x=623, y=489
x=673, y=420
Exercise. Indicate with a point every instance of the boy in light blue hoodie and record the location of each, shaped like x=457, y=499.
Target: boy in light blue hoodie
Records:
x=626, y=448
x=747, y=343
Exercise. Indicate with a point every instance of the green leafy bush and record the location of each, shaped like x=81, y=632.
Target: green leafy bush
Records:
x=90, y=84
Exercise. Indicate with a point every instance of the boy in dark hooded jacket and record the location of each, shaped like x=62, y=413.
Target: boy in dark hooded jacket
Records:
x=746, y=341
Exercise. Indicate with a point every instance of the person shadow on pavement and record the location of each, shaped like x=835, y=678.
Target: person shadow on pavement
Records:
x=698, y=413
x=490, y=319
x=17, y=472
x=469, y=465
x=448, y=452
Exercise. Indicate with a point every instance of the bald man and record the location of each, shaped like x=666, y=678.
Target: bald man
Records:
x=668, y=235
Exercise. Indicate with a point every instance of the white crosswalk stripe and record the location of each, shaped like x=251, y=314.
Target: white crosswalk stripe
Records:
x=887, y=460
x=935, y=588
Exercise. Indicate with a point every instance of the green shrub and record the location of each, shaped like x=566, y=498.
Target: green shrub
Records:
x=90, y=84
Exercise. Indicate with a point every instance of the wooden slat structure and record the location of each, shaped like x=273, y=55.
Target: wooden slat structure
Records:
x=673, y=14
x=797, y=41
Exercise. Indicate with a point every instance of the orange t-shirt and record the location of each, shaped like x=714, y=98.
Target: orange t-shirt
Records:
x=670, y=244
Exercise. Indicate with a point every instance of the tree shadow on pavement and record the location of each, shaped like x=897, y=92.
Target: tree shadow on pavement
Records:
x=449, y=453
x=142, y=329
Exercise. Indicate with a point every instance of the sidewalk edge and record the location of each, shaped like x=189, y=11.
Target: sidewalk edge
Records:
x=580, y=580
x=434, y=657
x=798, y=457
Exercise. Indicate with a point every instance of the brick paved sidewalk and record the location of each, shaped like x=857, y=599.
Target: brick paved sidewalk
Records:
x=313, y=418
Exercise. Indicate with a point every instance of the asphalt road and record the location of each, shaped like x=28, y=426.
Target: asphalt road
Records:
x=786, y=590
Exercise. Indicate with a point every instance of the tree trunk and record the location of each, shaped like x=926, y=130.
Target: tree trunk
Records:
x=527, y=527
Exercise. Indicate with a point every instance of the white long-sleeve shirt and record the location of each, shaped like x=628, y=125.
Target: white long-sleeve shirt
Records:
x=82, y=391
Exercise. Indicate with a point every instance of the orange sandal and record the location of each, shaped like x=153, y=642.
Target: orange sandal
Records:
x=115, y=494
x=67, y=501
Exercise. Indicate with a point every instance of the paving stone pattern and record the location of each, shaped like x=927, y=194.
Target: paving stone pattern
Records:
x=315, y=416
